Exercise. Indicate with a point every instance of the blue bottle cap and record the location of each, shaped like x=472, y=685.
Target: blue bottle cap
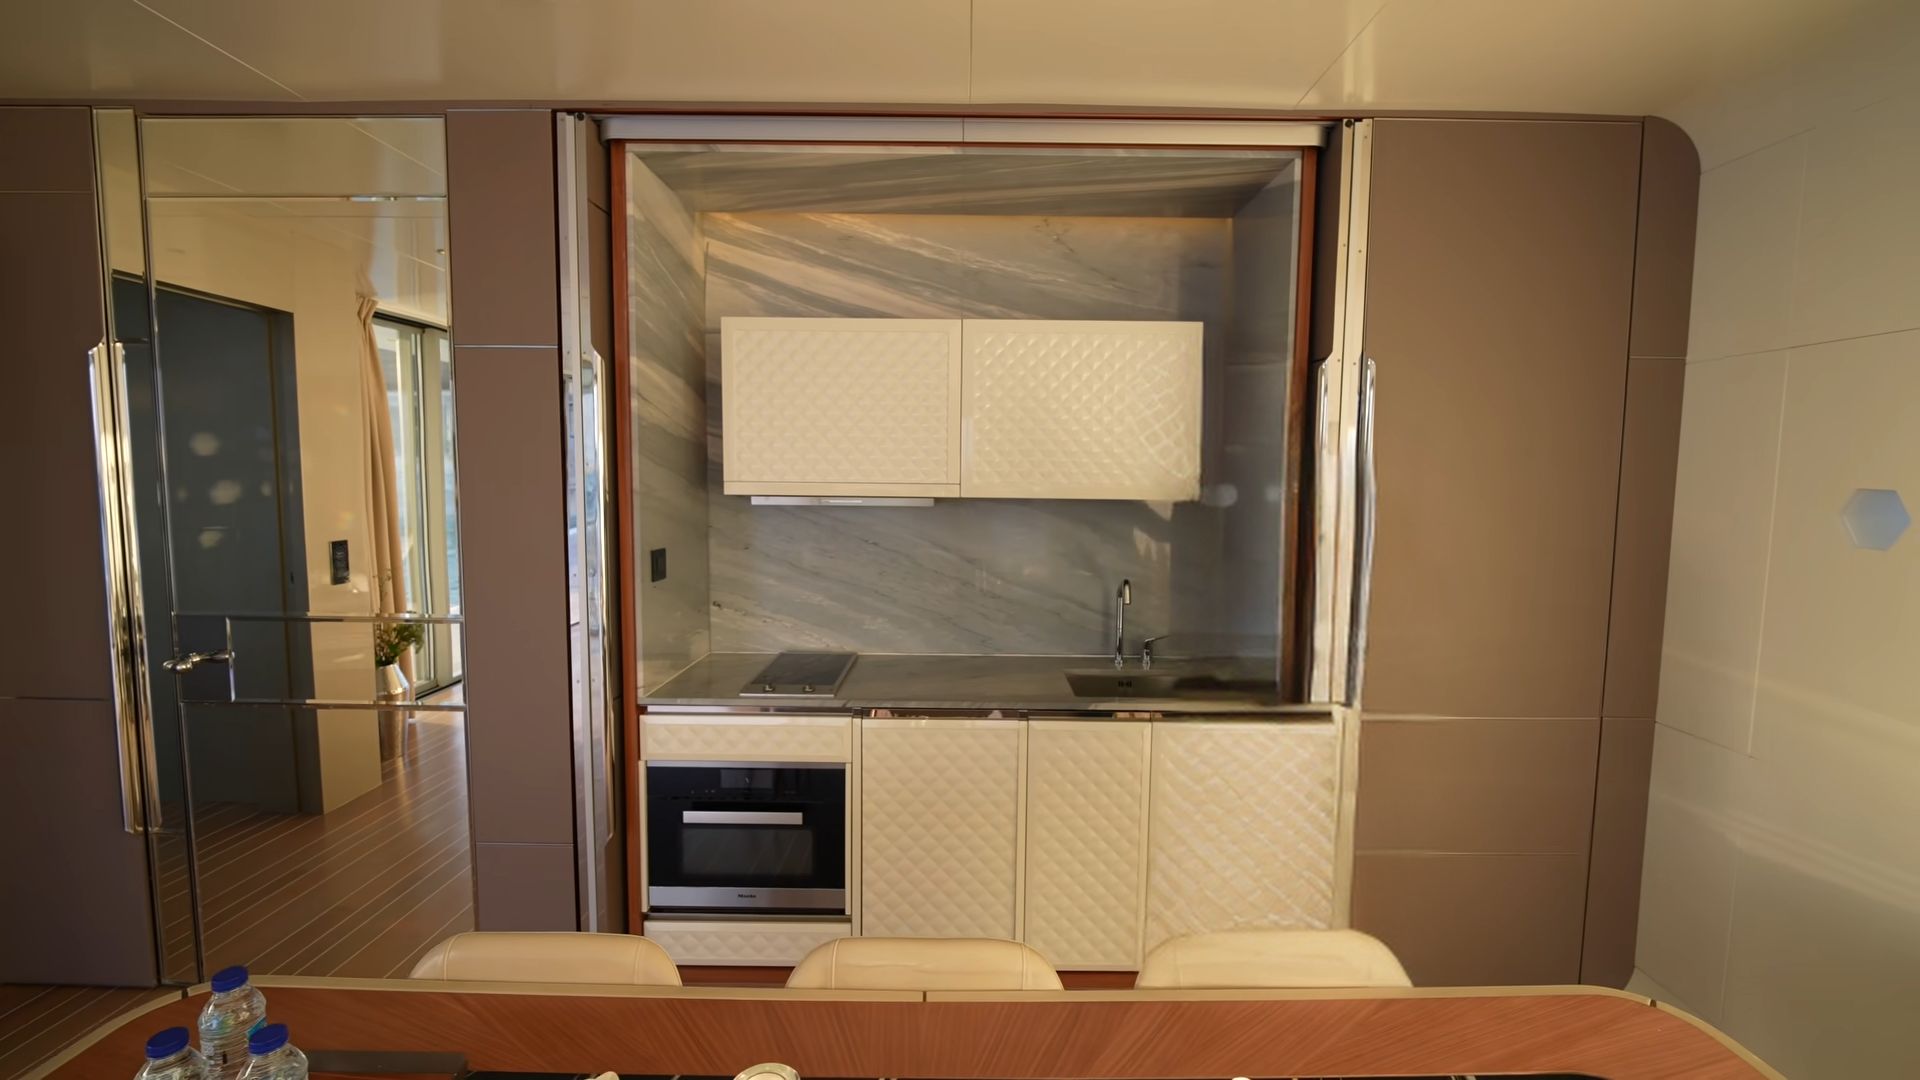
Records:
x=267, y=1038
x=165, y=1044
x=232, y=978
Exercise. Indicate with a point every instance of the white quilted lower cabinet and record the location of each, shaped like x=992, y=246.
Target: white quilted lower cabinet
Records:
x=846, y=407
x=1086, y=842
x=1243, y=827
x=940, y=827
x=1081, y=410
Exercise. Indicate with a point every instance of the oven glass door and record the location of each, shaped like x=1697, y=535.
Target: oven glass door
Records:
x=739, y=838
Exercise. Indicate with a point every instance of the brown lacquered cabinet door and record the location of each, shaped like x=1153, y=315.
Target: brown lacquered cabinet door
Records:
x=1498, y=297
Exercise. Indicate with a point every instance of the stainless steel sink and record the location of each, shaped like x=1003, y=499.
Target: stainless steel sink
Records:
x=1126, y=682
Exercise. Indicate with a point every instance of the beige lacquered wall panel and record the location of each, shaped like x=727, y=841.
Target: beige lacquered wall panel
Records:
x=1086, y=842
x=1474, y=920
x=1493, y=786
x=1498, y=298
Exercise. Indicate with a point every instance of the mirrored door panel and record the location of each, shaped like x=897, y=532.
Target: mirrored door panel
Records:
x=281, y=302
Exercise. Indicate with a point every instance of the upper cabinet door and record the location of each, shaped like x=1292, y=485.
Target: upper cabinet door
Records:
x=1082, y=410
x=1498, y=300
x=841, y=406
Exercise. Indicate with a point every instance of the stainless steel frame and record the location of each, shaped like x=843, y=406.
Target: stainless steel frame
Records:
x=1343, y=462
x=742, y=817
x=597, y=813
x=714, y=902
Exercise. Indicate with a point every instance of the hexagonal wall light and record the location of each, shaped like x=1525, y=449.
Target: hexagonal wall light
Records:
x=1875, y=517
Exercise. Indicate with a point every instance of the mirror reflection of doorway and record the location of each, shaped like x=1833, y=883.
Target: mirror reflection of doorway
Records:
x=289, y=399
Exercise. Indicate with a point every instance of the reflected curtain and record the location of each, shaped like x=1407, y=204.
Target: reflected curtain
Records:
x=383, y=489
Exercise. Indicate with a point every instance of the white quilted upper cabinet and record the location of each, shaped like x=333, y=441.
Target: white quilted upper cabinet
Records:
x=980, y=408
x=840, y=406
x=1081, y=410
x=1087, y=842
x=1244, y=817
x=940, y=827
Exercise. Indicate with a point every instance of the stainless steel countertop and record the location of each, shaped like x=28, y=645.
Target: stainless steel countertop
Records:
x=1033, y=684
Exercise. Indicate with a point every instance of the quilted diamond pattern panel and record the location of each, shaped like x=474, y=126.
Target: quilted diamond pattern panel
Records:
x=760, y=944
x=1082, y=410
x=840, y=401
x=667, y=737
x=939, y=827
x=1275, y=866
x=1086, y=810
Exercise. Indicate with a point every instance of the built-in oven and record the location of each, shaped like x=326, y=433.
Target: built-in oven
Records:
x=736, y=837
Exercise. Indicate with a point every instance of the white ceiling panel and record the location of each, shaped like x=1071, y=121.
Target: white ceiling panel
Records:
x=1597, y=56
x=295, y=155
x=108, y=48
x=1253, y=53
x=792, y=50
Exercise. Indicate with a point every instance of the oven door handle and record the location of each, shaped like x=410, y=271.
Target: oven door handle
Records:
x=742, y=817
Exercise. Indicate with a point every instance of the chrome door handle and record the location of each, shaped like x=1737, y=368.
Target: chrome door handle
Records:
x=741, y=817
x=180, y=665
x=1367, y=516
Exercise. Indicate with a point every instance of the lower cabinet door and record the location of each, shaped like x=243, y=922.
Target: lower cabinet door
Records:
x=1243, y=824
x=1087, y=842
x=940, y=827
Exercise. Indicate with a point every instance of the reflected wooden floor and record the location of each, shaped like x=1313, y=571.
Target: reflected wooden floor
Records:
x=362, y=891
x=37, y=1022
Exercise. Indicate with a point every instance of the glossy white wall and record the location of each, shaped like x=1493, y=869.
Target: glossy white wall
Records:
x=1781, y=896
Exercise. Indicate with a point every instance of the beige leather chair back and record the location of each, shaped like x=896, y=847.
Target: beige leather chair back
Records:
x=923, y=964
x=619, y=959
x=1271, y=959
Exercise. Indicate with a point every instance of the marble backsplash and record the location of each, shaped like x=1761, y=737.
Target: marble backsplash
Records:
x=666, y=347
x=964, y=576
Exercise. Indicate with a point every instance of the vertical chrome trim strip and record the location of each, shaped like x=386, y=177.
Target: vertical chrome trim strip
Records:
x=1334, y=448
x=588, y=570
x=1352, y=334
x=107, y=464
x=188, y=827
x=1326, y=511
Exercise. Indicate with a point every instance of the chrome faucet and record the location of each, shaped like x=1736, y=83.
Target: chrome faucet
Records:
x=1125, y=597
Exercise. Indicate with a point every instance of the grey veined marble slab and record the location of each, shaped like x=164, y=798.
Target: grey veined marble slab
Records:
x=962, y=576
x=968, y=180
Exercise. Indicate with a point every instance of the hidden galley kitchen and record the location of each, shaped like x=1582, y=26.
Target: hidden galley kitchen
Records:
x=964, y=559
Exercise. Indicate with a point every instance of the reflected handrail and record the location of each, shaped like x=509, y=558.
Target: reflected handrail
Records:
x=228, y=618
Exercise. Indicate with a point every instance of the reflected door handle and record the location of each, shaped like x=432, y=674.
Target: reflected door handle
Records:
x=180, y=665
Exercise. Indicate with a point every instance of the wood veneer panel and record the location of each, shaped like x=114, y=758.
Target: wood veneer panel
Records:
x=1306, y=1033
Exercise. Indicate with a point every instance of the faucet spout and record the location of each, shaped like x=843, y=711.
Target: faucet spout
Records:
x=1123, y=597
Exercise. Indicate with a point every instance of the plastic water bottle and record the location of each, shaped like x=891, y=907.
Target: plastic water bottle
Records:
x=232, y=1013
x=273, y=1057
x=171, y=1056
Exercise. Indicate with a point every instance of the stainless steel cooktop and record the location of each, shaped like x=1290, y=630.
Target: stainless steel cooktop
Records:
x=801, y=674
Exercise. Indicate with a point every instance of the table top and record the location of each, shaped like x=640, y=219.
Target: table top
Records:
x=1046, y=1035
